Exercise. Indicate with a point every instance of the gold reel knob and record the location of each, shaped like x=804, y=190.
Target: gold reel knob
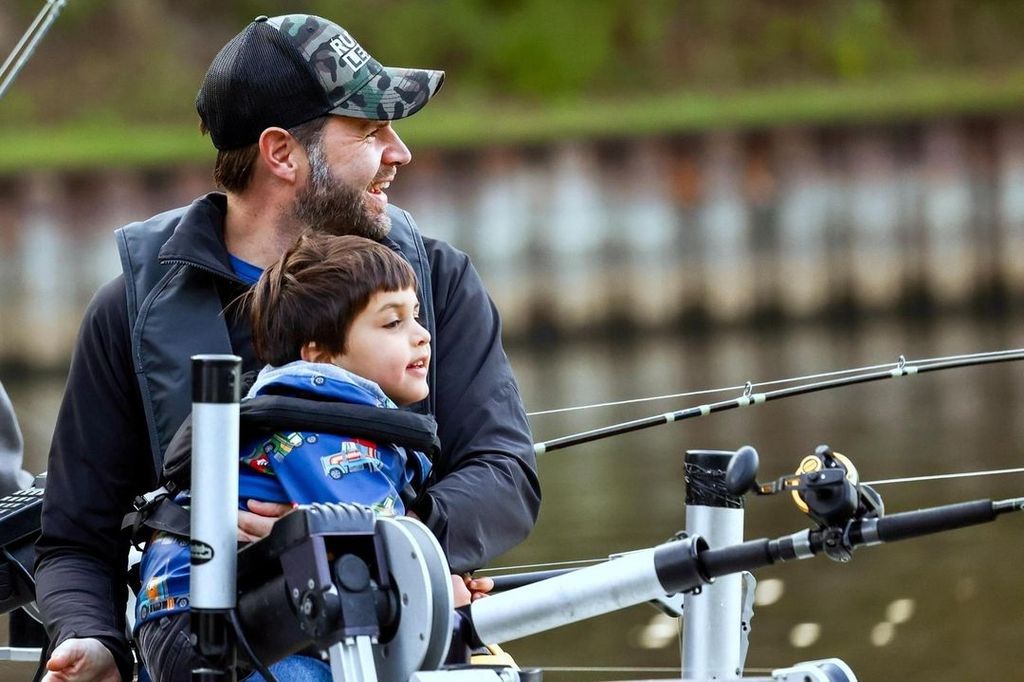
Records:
x=812, y=463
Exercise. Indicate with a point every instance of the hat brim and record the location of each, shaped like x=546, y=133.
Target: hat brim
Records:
x=392, y=94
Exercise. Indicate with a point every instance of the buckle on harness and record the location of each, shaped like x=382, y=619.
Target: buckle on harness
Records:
x=147, y=501
x=146, y=506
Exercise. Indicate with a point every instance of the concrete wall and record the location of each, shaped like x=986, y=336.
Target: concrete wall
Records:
x=581, y=236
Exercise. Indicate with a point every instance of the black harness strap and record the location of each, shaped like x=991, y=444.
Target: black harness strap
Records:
x=267, y=414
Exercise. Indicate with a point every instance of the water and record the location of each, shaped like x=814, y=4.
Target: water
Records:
x=940, y=608
x=962, y=621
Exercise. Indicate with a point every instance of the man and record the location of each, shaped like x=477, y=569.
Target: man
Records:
x=12, y=476
x=300, y=115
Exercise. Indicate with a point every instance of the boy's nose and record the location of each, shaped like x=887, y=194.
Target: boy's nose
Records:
x=423, y=336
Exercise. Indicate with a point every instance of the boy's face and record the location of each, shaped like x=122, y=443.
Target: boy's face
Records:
x=388, y=345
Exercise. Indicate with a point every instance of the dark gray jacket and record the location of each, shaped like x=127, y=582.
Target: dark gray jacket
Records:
x=12, y=476
x=485, y=499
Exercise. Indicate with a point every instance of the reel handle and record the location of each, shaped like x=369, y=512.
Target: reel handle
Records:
x=741, y=473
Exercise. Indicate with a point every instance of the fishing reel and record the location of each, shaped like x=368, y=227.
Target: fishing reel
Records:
x=826, y=487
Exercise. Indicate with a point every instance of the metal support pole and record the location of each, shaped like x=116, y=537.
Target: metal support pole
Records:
x=216, y=388
x=711, y=641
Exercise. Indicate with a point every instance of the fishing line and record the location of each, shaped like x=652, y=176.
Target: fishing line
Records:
x=603, y=669
x=542, y=565
x=903, y=368
x=886, y=481
x=707, y=391
x=627, y=669
x=775, y=382
x=939, y=477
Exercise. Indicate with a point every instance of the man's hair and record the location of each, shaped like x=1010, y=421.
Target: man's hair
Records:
x=315, y=292
x=233, y=168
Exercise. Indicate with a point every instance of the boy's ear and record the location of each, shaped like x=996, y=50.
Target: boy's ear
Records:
x=311, y=352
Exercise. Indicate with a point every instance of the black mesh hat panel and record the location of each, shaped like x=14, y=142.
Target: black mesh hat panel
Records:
x=257, y=81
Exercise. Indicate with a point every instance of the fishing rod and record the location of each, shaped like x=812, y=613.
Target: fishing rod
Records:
x=826, y=487
x=708, y=575
x=22, y=52
x=903, y=368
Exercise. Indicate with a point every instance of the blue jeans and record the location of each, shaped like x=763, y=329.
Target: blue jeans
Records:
x=296, y=669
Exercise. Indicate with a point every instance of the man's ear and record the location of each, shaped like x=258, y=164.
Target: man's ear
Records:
x=281, y=154
x=311, y=352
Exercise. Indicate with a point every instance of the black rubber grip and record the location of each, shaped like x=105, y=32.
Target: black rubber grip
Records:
x=743, y=557
x=916, y=523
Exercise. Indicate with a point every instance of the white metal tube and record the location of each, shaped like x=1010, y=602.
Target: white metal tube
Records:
x=712, y=620
x=575, y=596
x=214, y=514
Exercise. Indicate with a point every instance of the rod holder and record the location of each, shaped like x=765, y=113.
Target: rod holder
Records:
x=711, y=644
x=216, y=391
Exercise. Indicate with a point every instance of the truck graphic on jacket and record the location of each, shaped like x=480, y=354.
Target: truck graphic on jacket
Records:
x=355, y=455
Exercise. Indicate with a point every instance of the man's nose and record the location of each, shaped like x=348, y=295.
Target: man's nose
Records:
x=395, y=153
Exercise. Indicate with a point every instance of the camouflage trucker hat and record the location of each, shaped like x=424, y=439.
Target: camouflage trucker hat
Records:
x=286, y=70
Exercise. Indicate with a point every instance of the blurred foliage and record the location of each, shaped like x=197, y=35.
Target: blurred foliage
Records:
x=109, y=61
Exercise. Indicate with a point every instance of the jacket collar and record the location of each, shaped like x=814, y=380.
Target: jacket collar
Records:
x=321, y=379
x=198, y=239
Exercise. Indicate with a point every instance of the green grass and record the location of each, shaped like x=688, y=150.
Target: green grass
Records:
x=454, y=124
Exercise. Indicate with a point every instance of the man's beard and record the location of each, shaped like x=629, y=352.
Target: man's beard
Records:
x=326, y=205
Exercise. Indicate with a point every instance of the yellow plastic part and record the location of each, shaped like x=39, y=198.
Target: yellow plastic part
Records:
x=495, y=656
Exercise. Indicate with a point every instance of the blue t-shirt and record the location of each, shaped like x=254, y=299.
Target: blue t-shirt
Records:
x=294, y=467
x=247, y=272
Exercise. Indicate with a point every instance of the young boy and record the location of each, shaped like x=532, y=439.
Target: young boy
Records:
x=335, y=319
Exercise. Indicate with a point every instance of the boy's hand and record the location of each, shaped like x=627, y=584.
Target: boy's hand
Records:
x=257, y=522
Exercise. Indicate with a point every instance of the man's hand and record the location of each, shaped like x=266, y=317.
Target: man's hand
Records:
x=257, y=522
x=81, y=660
x=460, y=592
x=466, y=588
x=478, y=587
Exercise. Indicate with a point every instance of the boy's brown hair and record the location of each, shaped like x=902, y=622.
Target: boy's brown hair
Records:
x=315, y=291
